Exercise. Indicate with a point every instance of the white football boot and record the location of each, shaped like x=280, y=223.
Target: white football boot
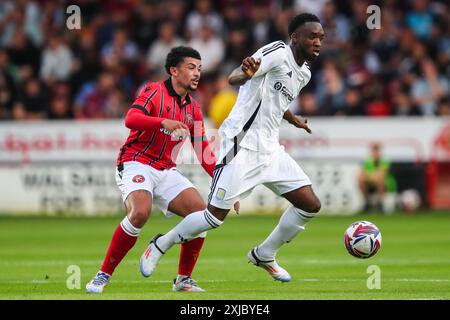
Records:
x=271, y=266
x=150, y=258
x=186, y=284
x=98, y=283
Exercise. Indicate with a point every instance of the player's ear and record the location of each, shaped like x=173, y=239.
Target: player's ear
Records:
x=294, y=38
x=173, y=71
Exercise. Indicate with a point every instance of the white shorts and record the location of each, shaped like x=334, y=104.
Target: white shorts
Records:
x=163, y=185
x=248, y=169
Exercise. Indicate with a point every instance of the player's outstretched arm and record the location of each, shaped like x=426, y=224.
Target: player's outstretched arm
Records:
x=244, y=72
x=136, y=119
x=297, y=121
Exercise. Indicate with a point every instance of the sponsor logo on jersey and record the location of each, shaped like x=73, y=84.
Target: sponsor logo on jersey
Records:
x=138, y=179
x=165, y=131
x=220, y=195
x=284, y=91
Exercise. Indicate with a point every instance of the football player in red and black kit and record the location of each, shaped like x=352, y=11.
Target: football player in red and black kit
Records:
x=160, y=119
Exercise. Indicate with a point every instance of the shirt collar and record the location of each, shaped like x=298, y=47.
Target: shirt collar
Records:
x=173, y=93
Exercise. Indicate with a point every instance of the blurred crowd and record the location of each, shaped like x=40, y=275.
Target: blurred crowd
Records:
x=48, y=71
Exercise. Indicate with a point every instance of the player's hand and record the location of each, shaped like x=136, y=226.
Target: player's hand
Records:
x=237, y=207
x=177, y=129
x=301, y=123
x=250, y=65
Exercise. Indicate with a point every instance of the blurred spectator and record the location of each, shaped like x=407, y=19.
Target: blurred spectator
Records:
x=120, y=50
x=278, y=28
x=7, y=85
x=145, y=24
x=377, y=103
x=25, y=55
x=157, y=53
x=202, y=15
x=116, y=105
x=233, y=15
x=61, y=106
x=23, y=14
x=211, y=48
x=32, y=102
x=443, y=108
x=312, y=6
x=307, y=105
x=222, y=102
x=358, y=30
x=175, y=11
x=403, y=104
x=420, y=19
x=375, y=177
x=57, y=60
x=237, y=47
x=60, y=109
x=429, y=88
x=330, y=90
x=260, y=23
x=402, y=68
x=92, y=100
x=336, y=27
x=385, y=45
x=86, y=64
x=354, y=104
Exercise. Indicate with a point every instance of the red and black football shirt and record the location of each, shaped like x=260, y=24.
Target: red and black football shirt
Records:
x=155, y=146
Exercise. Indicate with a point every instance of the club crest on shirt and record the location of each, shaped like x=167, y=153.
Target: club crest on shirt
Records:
x=138, y=179
x=220, y=195
x=189, y=120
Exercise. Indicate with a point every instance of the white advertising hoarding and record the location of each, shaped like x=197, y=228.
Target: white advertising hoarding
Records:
x=68, y=167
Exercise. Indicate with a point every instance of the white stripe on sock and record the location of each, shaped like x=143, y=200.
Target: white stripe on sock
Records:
x=129, y=228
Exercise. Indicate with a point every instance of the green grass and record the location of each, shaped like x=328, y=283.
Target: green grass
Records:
x=414, y=259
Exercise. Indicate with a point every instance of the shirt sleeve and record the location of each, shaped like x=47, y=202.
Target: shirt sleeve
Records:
x=270, y=56
x=146, y=98
x=139, y=116
x=138, y=120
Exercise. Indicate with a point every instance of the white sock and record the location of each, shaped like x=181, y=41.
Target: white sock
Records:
x=189, y=228
x=291, y=223
x=129, y=228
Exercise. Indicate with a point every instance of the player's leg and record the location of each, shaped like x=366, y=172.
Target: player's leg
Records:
x=175, y=194
x=227, y=187
x=293, y=220
x=285, y=178
x=138, y=204
x=135, y=183
x=380, y=186
x=187, y=202
x=291, y=223
x=195, y=224
x=363, y=183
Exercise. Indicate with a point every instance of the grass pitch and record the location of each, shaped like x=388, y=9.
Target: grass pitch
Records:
x=414, y=260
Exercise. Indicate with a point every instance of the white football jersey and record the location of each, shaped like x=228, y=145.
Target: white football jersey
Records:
x=262, y=101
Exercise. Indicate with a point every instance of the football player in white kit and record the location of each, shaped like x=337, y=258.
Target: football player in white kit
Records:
x=250, y=152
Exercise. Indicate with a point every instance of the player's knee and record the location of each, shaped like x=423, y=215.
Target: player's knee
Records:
x=219, y=214
x=313, y=206
x=139, y=216
x=317, y=206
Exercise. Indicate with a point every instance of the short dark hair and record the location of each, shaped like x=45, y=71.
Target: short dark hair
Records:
x=300, y=20
x=177, y=54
